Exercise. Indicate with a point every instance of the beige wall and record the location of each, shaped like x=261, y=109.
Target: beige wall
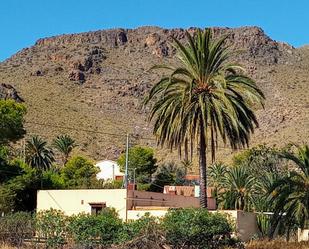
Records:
x=302, y=235
x=246, y=224
x=70, y=201
x=136, y=214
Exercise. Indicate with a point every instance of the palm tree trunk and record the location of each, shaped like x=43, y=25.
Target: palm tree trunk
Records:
x=202, y=166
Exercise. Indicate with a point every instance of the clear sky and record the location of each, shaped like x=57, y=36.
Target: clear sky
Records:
x=24, y=21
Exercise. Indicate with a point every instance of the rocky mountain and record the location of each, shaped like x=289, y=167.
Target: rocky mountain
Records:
x=90, y=85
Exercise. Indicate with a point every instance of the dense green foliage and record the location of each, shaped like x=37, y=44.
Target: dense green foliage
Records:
x=79, y=172
x=260, y=160
x=52, y=225
x=11, y=120
x=89, y=230
x=290, y=193
x=167, y=174
x=267, y=179
x=206, y=100
x=181, y=228
x=142, y=160
x=196, y=228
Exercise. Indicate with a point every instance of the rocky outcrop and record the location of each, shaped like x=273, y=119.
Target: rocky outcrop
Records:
x=252, y=42
x=7, y=91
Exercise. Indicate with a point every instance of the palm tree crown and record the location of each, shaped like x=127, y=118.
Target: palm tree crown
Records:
x=64, y=144
x=291, y=193
x=204, y=99
x=38, y=155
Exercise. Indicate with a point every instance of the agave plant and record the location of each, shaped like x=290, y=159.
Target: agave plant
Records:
x=205, y=100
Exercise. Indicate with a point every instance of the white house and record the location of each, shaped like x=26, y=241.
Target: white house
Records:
x=109, y=170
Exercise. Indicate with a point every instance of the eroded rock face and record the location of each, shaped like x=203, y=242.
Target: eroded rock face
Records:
x=152, y=39
x=7, y=91
x=252, y=40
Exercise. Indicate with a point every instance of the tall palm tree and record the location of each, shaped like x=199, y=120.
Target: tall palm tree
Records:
x=291, y=192
x=38, y=155
x=206, y=99
x=64, y=144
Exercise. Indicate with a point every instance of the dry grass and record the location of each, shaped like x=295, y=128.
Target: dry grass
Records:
x=277, y=245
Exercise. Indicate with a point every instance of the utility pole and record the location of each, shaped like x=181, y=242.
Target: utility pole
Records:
x=134, y=182
x=127, y=162
x=126, y=175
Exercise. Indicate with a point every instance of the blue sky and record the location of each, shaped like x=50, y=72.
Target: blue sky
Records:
x=24, y=21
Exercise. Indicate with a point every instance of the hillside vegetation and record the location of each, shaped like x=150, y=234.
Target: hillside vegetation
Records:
x=95, y=82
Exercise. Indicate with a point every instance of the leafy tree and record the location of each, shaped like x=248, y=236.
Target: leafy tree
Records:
x=261, y=160
x=196, y=228
x=64, y=144
x=19, y=193
x=8, y=170
x=79, y=172
x=142, y=160
x=11, y=120
x=38, y=155
x=167, y=174
x=291, y=193
x=206, y=99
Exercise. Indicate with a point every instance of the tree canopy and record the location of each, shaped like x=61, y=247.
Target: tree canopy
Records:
x=142, y=160
x=79, y=172
x=11, y=121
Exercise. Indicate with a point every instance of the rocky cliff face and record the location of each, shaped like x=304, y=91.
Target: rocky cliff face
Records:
x=97, y=80
x=7, y=91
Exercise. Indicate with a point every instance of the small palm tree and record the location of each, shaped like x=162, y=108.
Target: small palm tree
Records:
x=64, y=144
x=217, y=174
x=38, y=155
x=239, y=189
x=291, y=193
x=207, y=99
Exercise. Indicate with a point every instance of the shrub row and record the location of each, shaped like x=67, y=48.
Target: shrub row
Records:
x=180, y=228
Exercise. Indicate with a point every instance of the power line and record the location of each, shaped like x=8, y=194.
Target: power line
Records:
x=77, y=129
x=107, y=133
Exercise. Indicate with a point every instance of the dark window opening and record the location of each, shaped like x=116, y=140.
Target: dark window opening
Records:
x=96, y=208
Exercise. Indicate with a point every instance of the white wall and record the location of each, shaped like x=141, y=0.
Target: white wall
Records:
x=108, y=170
x=77, y=200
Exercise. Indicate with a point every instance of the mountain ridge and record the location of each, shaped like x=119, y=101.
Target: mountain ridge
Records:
x=94, y=79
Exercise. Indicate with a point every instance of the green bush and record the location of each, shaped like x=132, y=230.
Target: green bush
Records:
x=52, y=225
x=16, y=227
x=143, y=186
x=196, y=228
x=88, y=230
x=137, y=228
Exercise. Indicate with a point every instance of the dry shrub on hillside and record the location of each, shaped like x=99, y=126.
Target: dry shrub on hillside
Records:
x=275, y=244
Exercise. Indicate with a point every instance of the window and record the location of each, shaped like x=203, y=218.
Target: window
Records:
x=97, y=207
